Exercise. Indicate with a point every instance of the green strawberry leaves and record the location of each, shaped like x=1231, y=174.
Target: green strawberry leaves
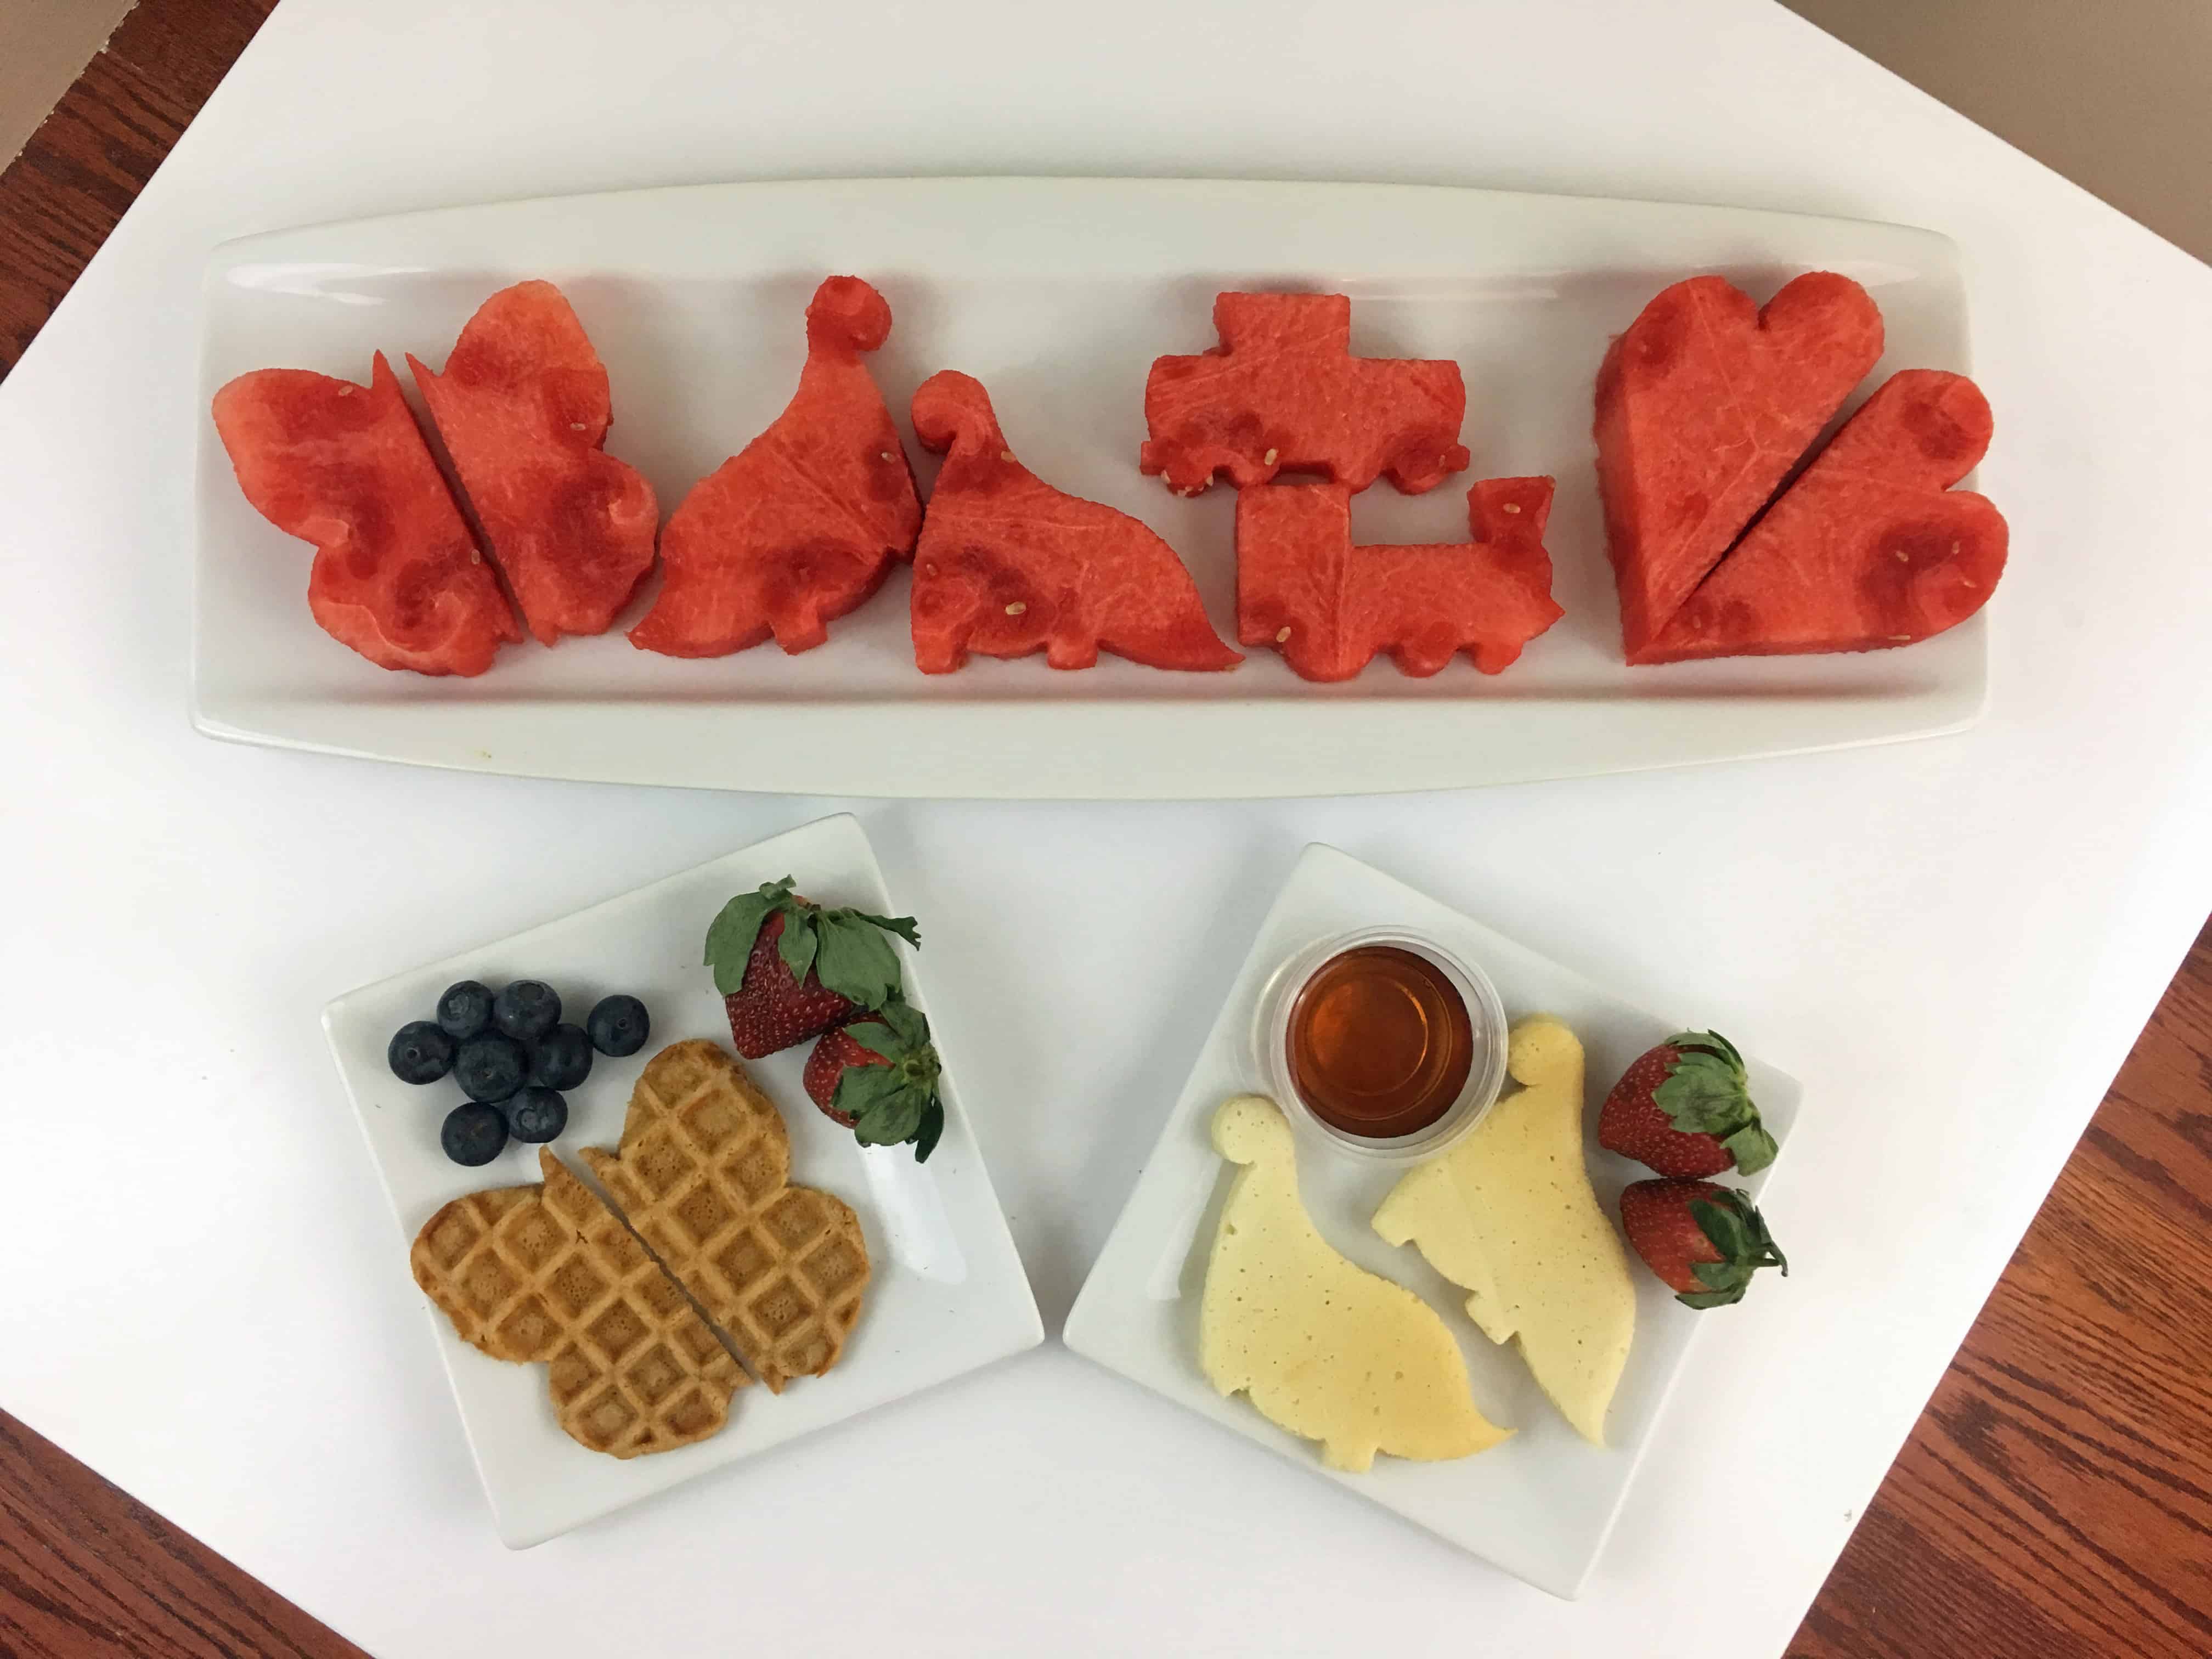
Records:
x=862, y=1090
x=730, y=938
x=1707, y=1093
x=799, y=942
x=931, y=1130
x=856, y=960
x=1751, y=1146
x=895, y=1031
x=897, y=1102
x=1734, y=1227
x=847, y=950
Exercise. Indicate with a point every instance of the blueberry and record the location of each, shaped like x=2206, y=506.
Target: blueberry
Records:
x=537, y=1113
x=473, y=1133
x=465, y=1009
x=527, y=1009
x=491, y=1067
x=420, y=1053
x=618, y=1026
x=561, y=1059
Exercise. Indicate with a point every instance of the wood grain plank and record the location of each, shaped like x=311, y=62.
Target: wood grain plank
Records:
x=87, y=162
x=2056, y=1499
x=87, y=1573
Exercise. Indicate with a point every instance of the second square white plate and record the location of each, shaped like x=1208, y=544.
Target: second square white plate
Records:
x=1542, y=1504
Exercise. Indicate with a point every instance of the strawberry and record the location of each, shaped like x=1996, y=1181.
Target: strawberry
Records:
x=1704, y=1241
x=789, y=968
x=826, y=1067
x=1683, y=1108
x=877, y=1076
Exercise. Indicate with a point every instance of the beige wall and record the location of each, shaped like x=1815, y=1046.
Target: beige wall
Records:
x=2116, y=94
x=43, y=46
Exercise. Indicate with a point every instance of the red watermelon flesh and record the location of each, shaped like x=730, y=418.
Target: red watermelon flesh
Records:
x=1283, y=390
x=522, y=407
x=397, y=573
x=1703, y=405
x=1869, y=548
x=1008, y=566
x=1328, y=606
x=802, y=525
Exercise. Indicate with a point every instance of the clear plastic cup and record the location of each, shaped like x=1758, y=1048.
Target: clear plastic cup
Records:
x=1485, y=1074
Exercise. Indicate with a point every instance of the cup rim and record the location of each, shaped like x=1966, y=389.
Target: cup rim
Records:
x=1485, y=1078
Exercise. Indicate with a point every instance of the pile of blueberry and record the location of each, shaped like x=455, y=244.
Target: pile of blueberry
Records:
x=513, y=1057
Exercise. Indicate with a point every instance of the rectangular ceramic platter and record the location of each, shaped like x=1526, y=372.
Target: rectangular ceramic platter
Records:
x=1541, y=1504
x=1057, y=293
x=947, y=1292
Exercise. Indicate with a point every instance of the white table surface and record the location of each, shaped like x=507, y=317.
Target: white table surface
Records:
x=1953, y=942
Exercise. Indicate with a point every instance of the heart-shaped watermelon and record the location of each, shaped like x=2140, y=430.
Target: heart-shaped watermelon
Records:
x=1869, y=548
x=1703, y=405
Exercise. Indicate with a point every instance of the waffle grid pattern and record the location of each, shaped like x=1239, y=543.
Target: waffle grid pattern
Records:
x=703, y=1174
x=548, y=1273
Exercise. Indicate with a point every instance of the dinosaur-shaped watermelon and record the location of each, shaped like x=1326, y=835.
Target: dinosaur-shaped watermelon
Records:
x=524, y=407
x=1008, y=566
x=397, y=573
x=802, y=525
x=1328, y=606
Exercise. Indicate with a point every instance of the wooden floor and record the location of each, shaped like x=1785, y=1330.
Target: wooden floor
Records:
x=2055, y=1500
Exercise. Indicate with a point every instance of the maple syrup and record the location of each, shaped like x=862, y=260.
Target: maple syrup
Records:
x=1380, y=1042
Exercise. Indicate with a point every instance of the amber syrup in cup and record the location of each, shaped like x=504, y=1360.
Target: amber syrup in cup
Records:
x=1380, y=1042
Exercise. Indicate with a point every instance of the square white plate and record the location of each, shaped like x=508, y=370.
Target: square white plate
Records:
x=1541, y=1504
x=1057, y=293
x=947, y=1294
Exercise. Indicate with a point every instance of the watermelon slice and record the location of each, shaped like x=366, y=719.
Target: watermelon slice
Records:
x=522, y=407
x=1283, y=390
x=1703, y=405
x=1869, y=548
x=1303, y=587
x=801, y=525
x=396, y=574
x=1008, y=566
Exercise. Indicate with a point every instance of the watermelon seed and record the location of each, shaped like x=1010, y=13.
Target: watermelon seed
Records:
x=1512, y=507
x=885, y=456
x=1904, y=557
x=1016, y=608
x=1900, y=639
x=1006, y=455
x=575, y=426
x=1269, y=459
x=1954, y=549
x=1282, y=634
x=345, y=392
